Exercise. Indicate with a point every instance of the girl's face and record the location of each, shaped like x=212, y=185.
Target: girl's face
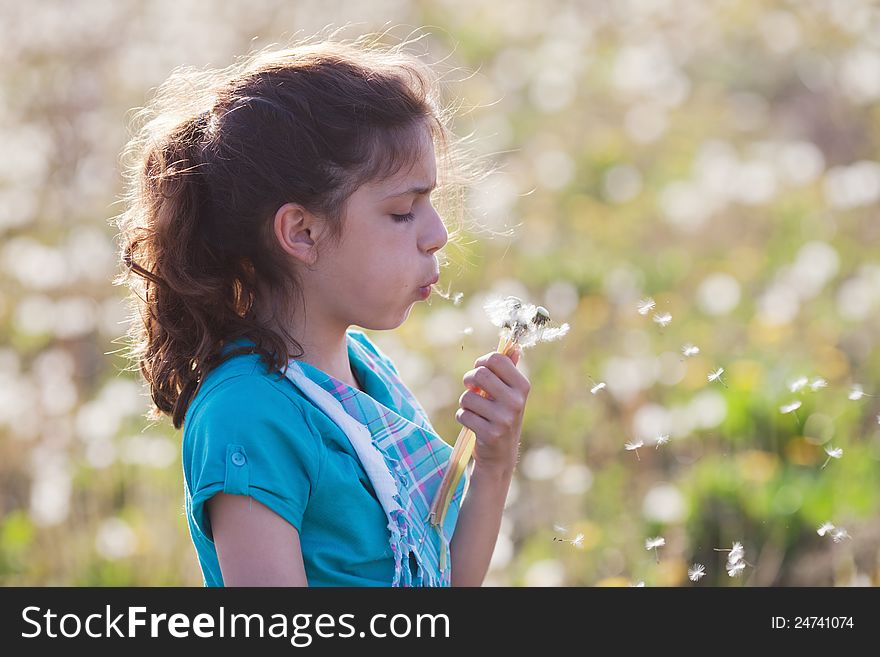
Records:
x=391, y=232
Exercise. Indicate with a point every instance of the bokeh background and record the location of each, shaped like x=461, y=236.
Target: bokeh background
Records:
x=718, y=156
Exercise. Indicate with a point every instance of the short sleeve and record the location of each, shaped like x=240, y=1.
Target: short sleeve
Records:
x=248, y=438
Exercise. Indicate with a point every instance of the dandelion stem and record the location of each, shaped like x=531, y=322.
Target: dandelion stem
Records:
x=461, y=455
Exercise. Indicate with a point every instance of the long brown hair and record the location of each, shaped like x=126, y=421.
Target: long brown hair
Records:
x=213, y=156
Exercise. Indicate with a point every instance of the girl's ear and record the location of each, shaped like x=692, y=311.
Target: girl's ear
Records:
x=296, y=230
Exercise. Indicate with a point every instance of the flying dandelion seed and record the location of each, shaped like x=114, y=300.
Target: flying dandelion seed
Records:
x=596, y=386
x=654, y=543
x=825, y=528
x=663, y=320
x=736, y=552
x=578, y=541
x=634, y=446
x=857, y=393
x=716, y=376
x=646, y=306
x=791, y=408
x=734, y=569
x=468, y=330
x=817, y=383
x=639, y=585
x=560, y=529
x=661, y=439
x=696, y=572
x=833, y=453
x=689, y=350
x=840, y=534
x=798, y=384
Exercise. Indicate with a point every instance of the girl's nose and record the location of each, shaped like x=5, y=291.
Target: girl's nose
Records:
x=436, y=235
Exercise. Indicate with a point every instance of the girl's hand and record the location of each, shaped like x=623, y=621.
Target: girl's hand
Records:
x=497, y=420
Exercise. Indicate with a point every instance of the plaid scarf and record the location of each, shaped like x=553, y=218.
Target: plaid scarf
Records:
x=401, y=453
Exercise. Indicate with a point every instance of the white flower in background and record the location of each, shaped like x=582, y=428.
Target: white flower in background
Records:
x=654, y=543
x=833, y=453
x=696, y=571
x=663, y=320
x=716, y=376
x=661, y=439
x=689, y=350
x=839, y=534
x=646, y=306
x=798, y=384
x=817, y=383
x=634, y=446
x=825, y=528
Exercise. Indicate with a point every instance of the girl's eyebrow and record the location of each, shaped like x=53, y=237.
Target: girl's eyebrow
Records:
x=413, y=190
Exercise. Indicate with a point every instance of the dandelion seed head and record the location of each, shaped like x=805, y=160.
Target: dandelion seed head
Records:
x=834, y=452
x=798, y=384
x=663, y=320
x=689, y=350
x=840, y=534
x=825, y=528
x=817, y=383
x=696, y=571
x=525, y=323
x=788, y=408
x=646, y=306
x=657, y=541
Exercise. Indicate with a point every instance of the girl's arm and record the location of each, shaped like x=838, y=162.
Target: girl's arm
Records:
x=255, y=546
x=497, y=424
x=478, y=524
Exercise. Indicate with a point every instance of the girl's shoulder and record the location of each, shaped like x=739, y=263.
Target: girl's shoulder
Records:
x=244, y=383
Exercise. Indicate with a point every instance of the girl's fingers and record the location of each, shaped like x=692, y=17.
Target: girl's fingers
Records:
x=482, y=378
x=472, y=421
x=505, y=369
x=478, y=404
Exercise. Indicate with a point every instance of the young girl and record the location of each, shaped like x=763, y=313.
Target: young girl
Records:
x=271, y=206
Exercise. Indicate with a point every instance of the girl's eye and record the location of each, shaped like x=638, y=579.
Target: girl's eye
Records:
x=400, y=218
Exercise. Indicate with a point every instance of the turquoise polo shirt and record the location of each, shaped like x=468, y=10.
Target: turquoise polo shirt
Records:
x=251, y=432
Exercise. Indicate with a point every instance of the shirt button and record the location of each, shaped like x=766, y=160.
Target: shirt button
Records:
x=238, y=458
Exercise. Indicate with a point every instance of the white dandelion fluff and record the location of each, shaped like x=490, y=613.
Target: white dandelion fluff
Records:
x=737, y=552
x=734, y=569
x=654, y=543
x=646, y=306
x=716, y=376
x=696, y=571
x=596, y=388
x=634, y=446
x=825, y=528
x=689, y=350
x=857, y=393
x=840, y=534
x=578, y=541
x=663, y=320
x=661, y=439
x=817, y=383
x=833, y=453
x=790, y=408
x=640, y=584
x=798, y=384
